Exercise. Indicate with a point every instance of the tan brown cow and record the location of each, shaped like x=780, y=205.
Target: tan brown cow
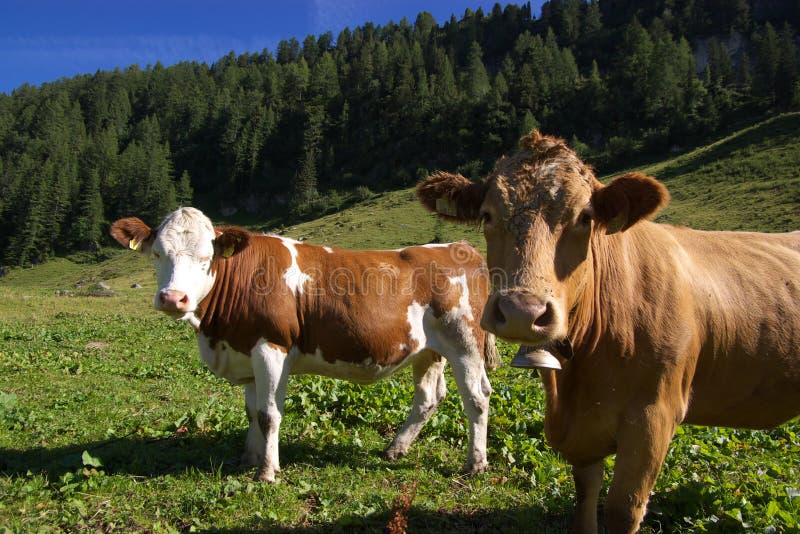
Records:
x=265, y=307
x=667, y=325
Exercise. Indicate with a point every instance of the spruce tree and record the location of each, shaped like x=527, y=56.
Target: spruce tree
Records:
x=184, y=190
x=88, y=228
x=475, y=76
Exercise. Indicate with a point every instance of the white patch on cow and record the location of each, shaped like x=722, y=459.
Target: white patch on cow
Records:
x=225, y=362
x=365, y=372
x=329, y=250
x=271, y=373
x=464, y=310
x=295, y=278
x=436, y=245
x=416, y=320
x=192, y=319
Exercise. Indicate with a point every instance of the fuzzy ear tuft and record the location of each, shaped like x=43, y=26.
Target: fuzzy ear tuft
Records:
x=230, y=240
x=626, y=200
x=132, y=233
x=542, y=146
x=452, y=196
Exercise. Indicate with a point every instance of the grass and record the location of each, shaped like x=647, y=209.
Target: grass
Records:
x=749, y=180
x=109, y=421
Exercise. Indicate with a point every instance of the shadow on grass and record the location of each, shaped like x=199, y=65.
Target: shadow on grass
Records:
x=151, y=457
x=520, y=519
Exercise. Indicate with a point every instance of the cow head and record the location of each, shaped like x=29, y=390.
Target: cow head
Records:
x=183, y=248
x=541, y=209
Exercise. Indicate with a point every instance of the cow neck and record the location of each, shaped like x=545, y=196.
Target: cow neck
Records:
x=585, y=328
x=553, y=432
x=229, y=293
x=603, y=314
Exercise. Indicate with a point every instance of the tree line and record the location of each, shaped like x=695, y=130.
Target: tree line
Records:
x=314, y=124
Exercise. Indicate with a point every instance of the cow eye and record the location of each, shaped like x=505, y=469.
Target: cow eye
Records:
x=156, y=255
x=585, y=218
x=486, y=217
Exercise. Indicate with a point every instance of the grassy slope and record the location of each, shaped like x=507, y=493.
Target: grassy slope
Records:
x=168, y=432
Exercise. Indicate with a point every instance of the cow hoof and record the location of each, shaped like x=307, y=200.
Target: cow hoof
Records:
x=265, y=475
x=392, y=454
x=476, y=468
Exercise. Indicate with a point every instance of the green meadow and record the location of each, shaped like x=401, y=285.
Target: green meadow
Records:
x=110, y=422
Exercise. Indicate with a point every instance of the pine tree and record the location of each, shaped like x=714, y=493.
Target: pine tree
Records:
x=768, y=61
x=304, y=185
x=442, y=79
x=146, y=164
x=475, y=76
x=592, y=18
x=527, y=124
x=184, y=190
x=787, y=73
x=88, y=227
x=324, y=81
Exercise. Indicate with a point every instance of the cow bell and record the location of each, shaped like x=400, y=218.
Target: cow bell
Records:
x=535, y=357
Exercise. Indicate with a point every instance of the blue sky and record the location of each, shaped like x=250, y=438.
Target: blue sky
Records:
x=44, y=40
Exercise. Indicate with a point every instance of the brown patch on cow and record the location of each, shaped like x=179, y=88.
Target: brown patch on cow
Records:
x=626, y=200
x=131, y=232
x=230, y=240
x=352, y=309
x=464, y=195
x=244, y=305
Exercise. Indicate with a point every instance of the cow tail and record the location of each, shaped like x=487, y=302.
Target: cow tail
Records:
x=491, y=357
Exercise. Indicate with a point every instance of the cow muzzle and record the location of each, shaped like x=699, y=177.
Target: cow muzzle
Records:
x=522, y=317
x=173, y=301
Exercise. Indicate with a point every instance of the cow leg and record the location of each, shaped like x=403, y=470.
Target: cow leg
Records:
x=473, y=386
x=588, y=483
x=271, y=370
x=642, y=443
x=254, y=445
x=429, y=390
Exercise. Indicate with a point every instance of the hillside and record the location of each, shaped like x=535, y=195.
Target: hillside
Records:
x=302, y=130
x=749, y=180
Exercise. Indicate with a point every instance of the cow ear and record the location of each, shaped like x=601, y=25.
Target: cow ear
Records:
x=452, y=196
x=626, y=200
x=132, y=233
x=230, y=240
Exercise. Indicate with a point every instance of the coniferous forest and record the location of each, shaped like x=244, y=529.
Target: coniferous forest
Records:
x=307, y=127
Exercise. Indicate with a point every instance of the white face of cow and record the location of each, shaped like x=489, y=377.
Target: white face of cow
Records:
x=182, y=248
x=182, y=252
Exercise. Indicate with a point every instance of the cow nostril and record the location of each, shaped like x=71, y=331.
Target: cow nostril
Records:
x=162, y=298
x=185, y=299
x=546, y=318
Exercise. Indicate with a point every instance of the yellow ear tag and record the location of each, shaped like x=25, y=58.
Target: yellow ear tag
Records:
x=228, y=252
x=134, y=245
x=446, y=206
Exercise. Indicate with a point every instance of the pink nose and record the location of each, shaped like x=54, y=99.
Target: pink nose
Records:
x=518, y=316
x=172, y=300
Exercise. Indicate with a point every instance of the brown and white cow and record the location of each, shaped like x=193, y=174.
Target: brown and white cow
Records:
x=265, y=307
x=667, y=325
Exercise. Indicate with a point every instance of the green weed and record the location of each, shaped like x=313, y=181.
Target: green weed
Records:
x=109, y=421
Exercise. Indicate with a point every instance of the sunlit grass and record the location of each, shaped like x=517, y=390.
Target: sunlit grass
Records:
x=109, y=421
